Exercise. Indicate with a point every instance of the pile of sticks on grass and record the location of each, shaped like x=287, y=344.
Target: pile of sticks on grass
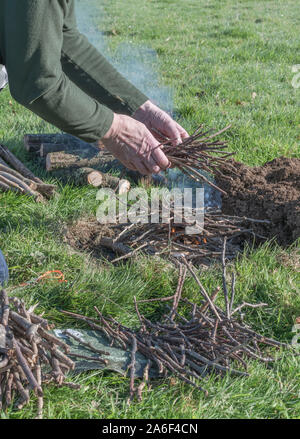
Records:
x=15, y=176
x=170, y=240
x=199, y=152
x=25, y=347
x=211, y=339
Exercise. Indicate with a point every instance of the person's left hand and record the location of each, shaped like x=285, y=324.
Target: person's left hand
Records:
x=158, y=121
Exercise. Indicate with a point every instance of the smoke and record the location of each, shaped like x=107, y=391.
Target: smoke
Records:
x=138, y=64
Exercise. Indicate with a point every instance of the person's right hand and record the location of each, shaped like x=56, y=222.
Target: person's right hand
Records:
x=133, y=144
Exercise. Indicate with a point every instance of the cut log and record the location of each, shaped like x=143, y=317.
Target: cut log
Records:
x=84, y=176
x=32, y=142
x=123, y=187
x=102, y=161
x=47, y=148
x=15, y=163
x=76, y=159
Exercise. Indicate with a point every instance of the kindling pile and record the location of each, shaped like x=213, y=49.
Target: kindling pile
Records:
x=210, y=339
x=15, y=176
x=171, y=240
x=26, y=345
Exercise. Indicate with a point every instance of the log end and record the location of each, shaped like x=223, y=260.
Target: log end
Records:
x=95, y=178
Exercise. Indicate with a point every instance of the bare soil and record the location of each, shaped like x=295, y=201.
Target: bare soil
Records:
x=271, y=191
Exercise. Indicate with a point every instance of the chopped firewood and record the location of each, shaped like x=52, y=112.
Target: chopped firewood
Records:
x=76, y=159
x=48, y=190
x=67, y=144
x=14, y=176
x=84, y=176
x=209, y=340
x=47, y=148
x=33, y=142
x=15, y=163
x=25, y=346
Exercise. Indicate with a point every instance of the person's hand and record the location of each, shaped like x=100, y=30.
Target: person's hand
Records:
x=132, y=143
x=158, y=121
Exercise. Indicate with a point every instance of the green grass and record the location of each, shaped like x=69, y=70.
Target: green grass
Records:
x=214, y=54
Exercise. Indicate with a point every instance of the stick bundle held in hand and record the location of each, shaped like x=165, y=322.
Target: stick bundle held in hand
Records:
x=210, y=339
x=199, y=152
x=25, y=347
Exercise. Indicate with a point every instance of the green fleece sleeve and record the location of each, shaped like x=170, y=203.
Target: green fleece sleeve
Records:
x=92, y=72
x=32, y=42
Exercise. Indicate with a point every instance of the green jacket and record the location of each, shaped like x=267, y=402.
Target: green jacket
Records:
x=55, y=72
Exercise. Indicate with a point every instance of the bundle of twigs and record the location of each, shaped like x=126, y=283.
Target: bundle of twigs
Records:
x=25, y=347
x=171, y=240
x=15, y=176
x=197, y=153
x=211, y=339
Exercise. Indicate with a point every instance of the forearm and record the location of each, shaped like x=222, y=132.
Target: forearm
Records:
x=32, y=44
x=94, y=74
x=73, y=111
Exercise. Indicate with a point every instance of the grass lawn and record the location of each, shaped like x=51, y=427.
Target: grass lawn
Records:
x=228, y=61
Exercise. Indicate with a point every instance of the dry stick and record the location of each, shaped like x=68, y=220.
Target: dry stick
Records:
x=117, y=336
x=85, y=343
x=52, y=339
x=250, y=305
x=9, y=158
x=145, y=380
x=233, y=280
x=177, y=296
x=156, y=299
x=143, y=327
x=19, y=184
x=202, y=290
x=117, y=247
x=86, y=357
x=29, y=328
x=132, y=368
x=24, y=393
x=129, y=255
x=5, y=187
x=224, y=279
x=8, y=389
x=24, y=365
x=56, y=371
x=62, y=357
x=214, y=295
x=38, y=373
x=214, y=365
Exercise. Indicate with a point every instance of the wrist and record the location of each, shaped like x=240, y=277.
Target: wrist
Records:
x=143, y=111
x=113, y=130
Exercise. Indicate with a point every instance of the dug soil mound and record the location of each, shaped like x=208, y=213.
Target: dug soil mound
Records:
x=271, y=191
